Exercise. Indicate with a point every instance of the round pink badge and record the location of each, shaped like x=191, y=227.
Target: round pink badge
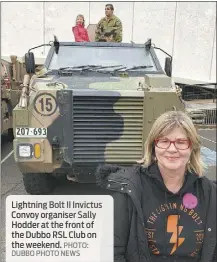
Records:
x=189, y=201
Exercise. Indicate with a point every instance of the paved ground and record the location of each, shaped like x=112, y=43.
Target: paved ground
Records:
x=11, y=179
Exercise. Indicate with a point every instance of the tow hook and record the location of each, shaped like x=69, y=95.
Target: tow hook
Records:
x=55, y=142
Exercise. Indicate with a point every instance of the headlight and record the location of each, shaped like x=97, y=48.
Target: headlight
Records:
x=24, y=150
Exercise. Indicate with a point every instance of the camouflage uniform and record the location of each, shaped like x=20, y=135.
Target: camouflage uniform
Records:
x=112, y=24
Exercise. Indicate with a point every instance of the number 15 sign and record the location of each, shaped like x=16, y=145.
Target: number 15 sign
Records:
x=45, y=104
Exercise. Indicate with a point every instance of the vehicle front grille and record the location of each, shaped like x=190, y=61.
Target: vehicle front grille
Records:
x=210, y=117
x=204, y=116
x=107, y=129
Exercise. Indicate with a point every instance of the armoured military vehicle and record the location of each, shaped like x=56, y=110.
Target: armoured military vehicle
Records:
x=11, y=78
x=91, y=103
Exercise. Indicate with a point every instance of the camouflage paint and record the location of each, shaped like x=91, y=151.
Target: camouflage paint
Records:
x=109, y=25
x=92, y=119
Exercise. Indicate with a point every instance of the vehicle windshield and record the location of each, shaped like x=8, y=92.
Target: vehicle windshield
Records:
x=129, y=57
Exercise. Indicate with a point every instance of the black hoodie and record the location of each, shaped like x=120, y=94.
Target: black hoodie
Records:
x=148, y=217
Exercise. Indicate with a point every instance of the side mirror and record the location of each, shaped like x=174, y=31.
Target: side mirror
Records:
x=56, y=45
x=168, y=66
x=30, y=63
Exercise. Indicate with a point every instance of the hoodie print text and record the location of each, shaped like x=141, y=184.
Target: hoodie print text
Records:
x=172, y=229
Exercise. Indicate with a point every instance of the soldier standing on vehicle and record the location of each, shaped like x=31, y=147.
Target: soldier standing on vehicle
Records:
x=107, y=23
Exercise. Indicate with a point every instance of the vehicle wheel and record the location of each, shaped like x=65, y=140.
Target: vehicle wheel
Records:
x=10, y=134
x=30, y=63
x=39, y=183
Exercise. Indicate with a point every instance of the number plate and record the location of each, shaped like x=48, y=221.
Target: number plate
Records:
x=31, y=132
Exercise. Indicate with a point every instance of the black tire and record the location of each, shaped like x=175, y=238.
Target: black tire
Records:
x=168, y=66
x=10, y=134
x=30, y=63
x=39, y=183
